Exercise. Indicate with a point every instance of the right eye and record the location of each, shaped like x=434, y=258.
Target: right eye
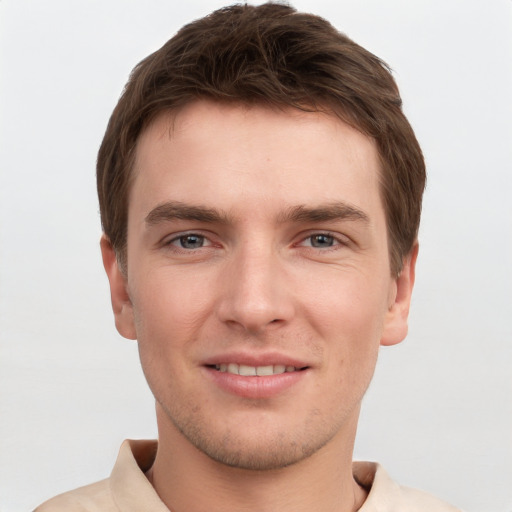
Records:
x=190, y=241
x=322, y=240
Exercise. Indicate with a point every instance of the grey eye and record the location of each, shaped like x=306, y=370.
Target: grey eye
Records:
x=191, y=241
x=322, y=241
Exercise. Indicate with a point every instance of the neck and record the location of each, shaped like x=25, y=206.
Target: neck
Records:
x=187, y=480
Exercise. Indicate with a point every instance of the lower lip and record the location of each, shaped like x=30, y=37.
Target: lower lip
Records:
x=266, y=386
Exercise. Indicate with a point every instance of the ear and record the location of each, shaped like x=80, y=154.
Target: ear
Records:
x=121, y=303
x=395, y=324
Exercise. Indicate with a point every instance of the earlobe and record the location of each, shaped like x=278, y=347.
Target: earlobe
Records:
x=121, y=303
x=396, y=321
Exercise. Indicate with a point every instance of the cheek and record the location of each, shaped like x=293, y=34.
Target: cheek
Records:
x=167, y=305
x=349, y=315
x=347, y=304
x=167, y=320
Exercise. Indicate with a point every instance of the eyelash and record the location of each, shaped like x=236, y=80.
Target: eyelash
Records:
x=337, y=241
x=182, y=236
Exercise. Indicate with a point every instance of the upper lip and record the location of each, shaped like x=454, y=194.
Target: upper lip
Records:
x=252, y=359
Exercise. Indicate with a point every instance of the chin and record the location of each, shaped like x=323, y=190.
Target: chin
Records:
x=258, y=448
x=265, y=456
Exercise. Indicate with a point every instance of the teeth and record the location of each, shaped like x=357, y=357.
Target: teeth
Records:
x=251, y=371
x=246, y=371
x=265, y=370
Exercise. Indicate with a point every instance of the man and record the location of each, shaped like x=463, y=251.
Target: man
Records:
x=260, y=192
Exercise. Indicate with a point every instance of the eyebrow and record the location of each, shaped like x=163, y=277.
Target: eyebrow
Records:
x=175, y=210
x=323, y=213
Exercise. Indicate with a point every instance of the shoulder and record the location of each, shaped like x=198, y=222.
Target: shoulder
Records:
x=385, y=495
x=126, y=489
x=95, y=497
x=420, y=501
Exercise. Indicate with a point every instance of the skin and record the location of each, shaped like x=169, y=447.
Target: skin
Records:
x=257, y=233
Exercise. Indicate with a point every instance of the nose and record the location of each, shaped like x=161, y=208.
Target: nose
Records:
x=256, y=293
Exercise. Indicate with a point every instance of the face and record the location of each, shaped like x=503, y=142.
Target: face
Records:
x=258, y=283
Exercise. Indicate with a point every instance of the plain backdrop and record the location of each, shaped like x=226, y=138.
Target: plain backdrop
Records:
x=438, y=414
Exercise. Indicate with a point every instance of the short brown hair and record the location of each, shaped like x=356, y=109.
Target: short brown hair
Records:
x=270, y=55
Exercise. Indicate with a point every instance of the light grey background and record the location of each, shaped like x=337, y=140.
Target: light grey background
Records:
x=439, y=412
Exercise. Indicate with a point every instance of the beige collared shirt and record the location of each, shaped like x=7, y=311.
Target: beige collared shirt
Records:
x=128, y=489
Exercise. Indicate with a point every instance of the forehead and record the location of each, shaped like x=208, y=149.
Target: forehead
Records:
x=208, y=153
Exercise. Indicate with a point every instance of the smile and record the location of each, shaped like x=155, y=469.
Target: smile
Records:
x=255, y=379
x=255, y=371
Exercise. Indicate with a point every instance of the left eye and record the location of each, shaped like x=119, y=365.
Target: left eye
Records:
x=190, y=241
x=321, y=240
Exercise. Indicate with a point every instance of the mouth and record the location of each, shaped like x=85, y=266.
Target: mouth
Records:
x=255, y=371
x=256, y=377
